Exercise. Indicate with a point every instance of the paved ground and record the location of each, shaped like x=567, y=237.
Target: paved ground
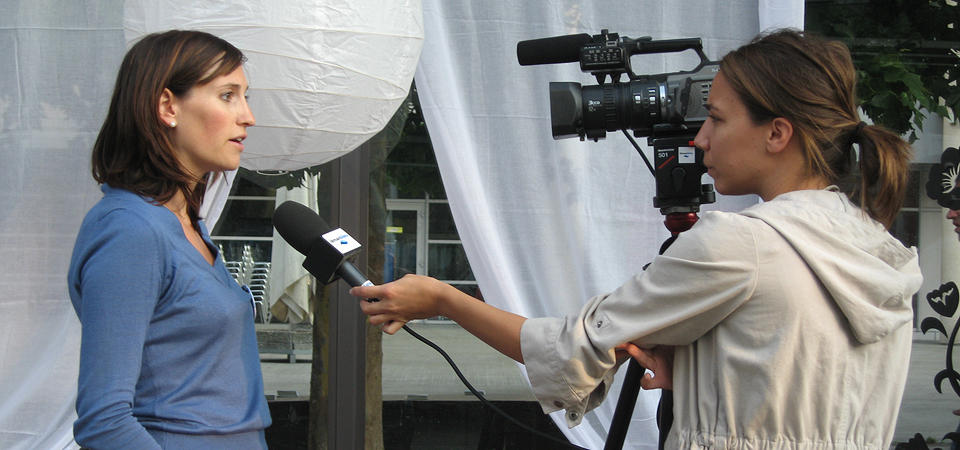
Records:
x=924, y=410
x=410, y=368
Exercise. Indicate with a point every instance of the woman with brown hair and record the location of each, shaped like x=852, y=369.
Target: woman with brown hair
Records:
x=789, y=323
x=168, y=355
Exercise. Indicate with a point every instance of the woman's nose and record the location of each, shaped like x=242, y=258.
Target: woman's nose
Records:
x=246, y=116
x=701, y=140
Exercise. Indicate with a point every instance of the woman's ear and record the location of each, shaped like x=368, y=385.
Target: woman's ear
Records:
x=781, y=132
x=167, y=109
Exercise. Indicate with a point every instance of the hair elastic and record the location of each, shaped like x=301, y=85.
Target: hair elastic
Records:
x=860, y=128
x=855, y=138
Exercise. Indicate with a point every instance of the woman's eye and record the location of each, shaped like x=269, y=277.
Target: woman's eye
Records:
x=227, y=96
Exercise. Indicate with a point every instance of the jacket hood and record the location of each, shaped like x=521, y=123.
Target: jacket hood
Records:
x=869, y=273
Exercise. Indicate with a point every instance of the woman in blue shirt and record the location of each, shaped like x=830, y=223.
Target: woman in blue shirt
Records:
x=168, y=357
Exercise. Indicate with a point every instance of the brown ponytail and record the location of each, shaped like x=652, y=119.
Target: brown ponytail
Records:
x=884, y=163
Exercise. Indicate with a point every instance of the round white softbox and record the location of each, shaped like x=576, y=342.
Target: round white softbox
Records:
x=325, y=75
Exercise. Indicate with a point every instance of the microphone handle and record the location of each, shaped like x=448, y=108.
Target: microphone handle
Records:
x=352, y=275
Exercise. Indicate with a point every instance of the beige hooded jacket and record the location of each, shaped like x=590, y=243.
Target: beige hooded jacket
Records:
x=792, y=320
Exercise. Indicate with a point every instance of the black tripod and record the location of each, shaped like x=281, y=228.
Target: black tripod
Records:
x=679, y=168
x=676, y=223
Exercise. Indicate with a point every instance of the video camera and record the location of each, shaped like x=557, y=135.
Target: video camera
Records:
x=667, y=108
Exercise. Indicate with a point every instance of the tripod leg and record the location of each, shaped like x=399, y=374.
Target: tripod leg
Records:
x=665, y=415
x=628, y=400
x=676, y=222
x=625, y=404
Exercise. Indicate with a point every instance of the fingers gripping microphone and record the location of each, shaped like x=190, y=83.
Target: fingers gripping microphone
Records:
x=328, y=253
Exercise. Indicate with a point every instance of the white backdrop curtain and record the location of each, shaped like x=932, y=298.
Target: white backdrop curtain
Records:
x=547, y=224
x=59, y=62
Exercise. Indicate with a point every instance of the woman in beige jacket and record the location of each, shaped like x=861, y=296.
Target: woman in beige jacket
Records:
x=790, y=320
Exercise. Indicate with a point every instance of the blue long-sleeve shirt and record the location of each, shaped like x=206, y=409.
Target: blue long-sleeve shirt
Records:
x=168, y=343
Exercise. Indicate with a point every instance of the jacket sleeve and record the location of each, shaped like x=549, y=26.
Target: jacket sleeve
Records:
x=702, y=278
x=118, y=282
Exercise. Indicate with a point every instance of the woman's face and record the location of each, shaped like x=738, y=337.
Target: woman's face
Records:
x=211, y=124
x=734, y=147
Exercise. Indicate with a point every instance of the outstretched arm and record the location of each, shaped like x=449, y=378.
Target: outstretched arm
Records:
x=419, y=297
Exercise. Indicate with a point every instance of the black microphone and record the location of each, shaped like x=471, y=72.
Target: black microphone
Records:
x=552, y=50
x=328, y=253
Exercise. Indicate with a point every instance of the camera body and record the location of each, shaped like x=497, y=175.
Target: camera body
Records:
x=667, y=108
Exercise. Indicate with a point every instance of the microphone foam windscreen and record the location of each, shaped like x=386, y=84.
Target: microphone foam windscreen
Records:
x=298, y=225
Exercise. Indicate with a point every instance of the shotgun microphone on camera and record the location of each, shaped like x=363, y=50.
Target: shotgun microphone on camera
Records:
x=552, y=50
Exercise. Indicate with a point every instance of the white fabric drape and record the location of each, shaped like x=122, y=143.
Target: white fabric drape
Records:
x=547, y=224
x=59, y=62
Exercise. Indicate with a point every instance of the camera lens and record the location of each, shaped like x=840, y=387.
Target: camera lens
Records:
x=620, y=106
x=591, y=111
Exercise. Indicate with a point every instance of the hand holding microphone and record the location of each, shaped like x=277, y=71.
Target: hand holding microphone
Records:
x=328, y=255
x=411, y=297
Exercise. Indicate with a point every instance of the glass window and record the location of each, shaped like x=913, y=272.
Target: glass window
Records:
x=246, y=218
x=249, y=217
x=448, y=262
x=441, y=222
x=912, y=199
x=411, y=166
x=245, y=186
x=244, y=231
x=413, y=182
x=400, y=245
x=906, y=227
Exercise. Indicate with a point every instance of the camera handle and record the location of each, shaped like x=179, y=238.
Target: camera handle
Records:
x=676, y=223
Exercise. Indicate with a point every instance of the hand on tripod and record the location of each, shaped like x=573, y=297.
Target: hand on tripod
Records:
x=658, y=360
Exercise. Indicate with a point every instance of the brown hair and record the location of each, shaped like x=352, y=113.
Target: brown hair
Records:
x=811, y=82
x=133, y=150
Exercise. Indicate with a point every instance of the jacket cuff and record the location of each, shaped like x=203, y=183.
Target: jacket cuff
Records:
x=538, y=338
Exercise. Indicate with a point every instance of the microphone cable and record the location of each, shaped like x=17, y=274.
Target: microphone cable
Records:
x=480, y=396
